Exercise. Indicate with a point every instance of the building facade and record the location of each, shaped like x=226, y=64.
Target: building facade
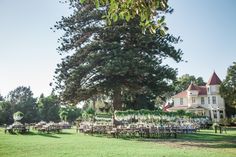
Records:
x=202, y=100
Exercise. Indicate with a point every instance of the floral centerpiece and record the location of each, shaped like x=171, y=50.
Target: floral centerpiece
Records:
x=17, y=116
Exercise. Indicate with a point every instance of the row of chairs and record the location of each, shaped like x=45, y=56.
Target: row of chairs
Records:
x=48, y=127
x=135, y=130
x=17, y=127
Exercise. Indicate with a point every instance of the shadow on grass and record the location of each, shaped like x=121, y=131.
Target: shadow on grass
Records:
x=199, y=139
x=192, y=143
x=218, y=145
x=48, y=135
x=108, y=136
x=31, y=133
x=65, y=133
x=207, y=137
x=35, y=133
x=203, y=140
x=129, y=138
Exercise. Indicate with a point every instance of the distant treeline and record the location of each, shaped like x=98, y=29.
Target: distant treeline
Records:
x=46, y=108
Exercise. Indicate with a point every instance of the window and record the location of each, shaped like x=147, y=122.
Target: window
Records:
x=221, y=114
x=181, y=101
x=209, y=100
x=215, y=114
x=193, y=100
x=202, y=101
x=214, y=100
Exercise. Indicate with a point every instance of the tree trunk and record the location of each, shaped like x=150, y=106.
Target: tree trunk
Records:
x=117, y=104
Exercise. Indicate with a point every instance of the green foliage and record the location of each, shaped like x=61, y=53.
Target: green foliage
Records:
x=69, y=113
x=21, y=99
x=88, y=114
x=90, y=111
x=184, y=81
x=5, y=113
x=149, y=12
x=48, y=108
x=104, y=115
x=228, y=87
x=159, y=112
x=181, y=113
x=139, y=101
x=112, y=60
x=231, y=121
x=63, y=113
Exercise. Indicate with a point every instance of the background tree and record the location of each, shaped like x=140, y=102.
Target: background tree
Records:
x=69, y=113
x=184, y=81
x=48, y=108
x=228, y=90
x=5, y=113
x=74, y=113
x=63, y=113
x=21, y=99
x=112, y=60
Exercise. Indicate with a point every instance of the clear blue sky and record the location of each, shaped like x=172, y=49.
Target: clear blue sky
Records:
x=28, y=53
x=208, y=30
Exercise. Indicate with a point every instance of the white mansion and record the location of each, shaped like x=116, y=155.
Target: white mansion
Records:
x=202, y=100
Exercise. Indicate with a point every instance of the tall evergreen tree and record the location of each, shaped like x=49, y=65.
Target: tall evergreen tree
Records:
x=228, y=90
x=111, y=60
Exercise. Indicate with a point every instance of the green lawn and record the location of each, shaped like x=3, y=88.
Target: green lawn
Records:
x=70, y=144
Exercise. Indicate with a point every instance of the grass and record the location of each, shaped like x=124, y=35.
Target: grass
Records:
x=70, y=144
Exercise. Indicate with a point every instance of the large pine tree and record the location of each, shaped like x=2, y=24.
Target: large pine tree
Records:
x=111, y=60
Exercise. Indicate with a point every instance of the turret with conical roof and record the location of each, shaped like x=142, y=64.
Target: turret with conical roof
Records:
x=213, y=84
x=214, y=80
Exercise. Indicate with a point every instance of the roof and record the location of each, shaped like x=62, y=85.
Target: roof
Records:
x=214, y=80
x=179, y=107
x=181, y=94
x=202, y=90
x=192, y=87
